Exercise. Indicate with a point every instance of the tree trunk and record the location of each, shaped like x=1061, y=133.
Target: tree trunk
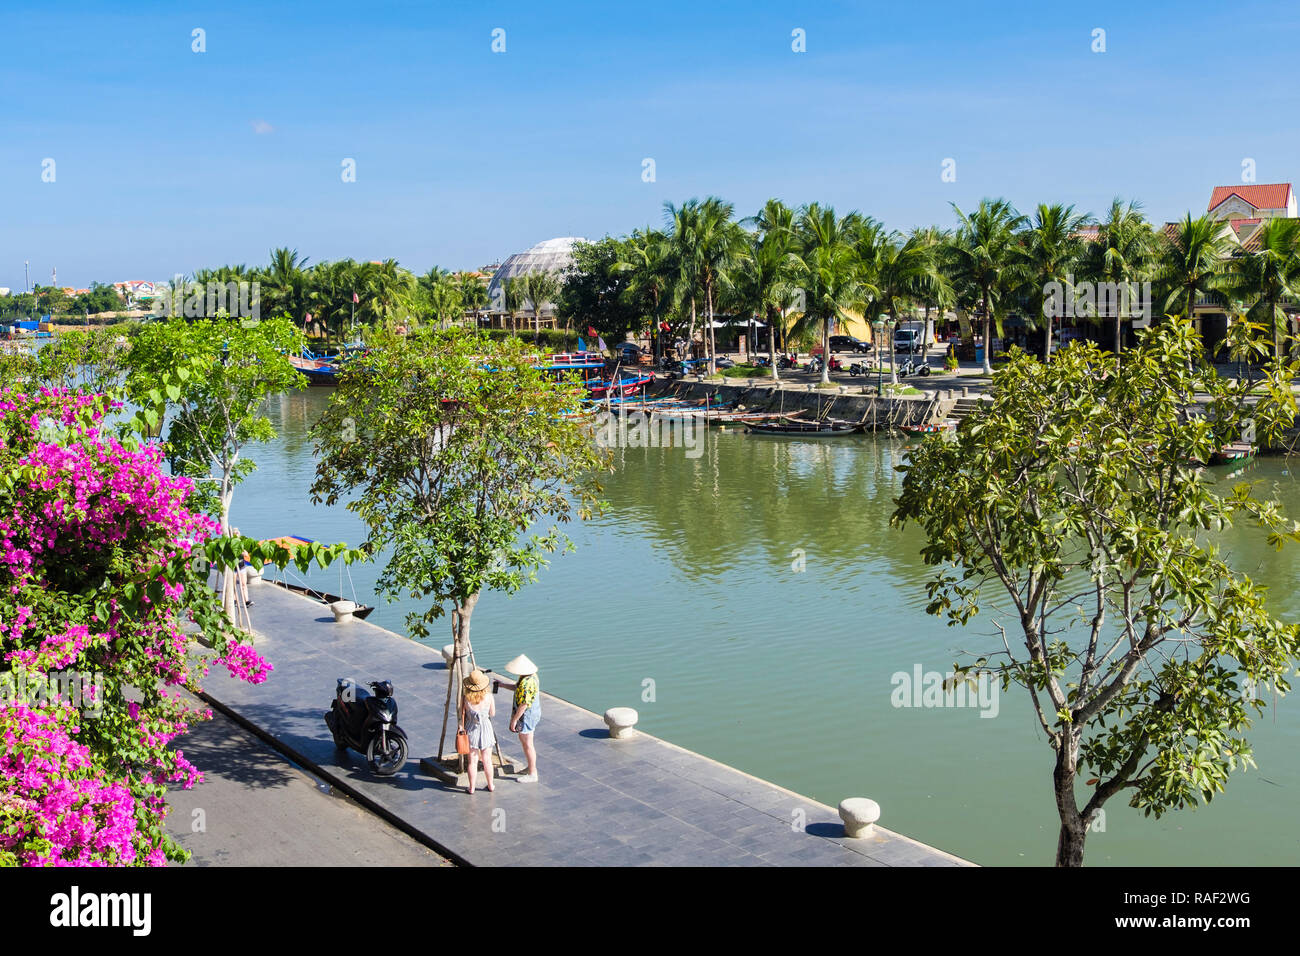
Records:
x=1277, y=329
x=1119, y=339
x=690, y=336
x=826, y=352
x=988, y=336
x=1073, y=832
x=1047, y=340
x=771, y=343
x=460, y=632
x=712, y=343
x=893, y=369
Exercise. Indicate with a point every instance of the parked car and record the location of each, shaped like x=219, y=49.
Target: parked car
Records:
x=908, y=340
x=847, y=343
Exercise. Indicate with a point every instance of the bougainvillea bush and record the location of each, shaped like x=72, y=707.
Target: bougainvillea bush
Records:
x=103, y=574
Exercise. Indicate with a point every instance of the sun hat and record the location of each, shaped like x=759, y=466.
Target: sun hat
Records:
x=476, y=681
x=522, y=666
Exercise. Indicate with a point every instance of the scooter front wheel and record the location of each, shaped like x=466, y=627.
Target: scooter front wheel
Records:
x=386, y=753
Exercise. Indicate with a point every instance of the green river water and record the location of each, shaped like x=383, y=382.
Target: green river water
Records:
x=690, y=586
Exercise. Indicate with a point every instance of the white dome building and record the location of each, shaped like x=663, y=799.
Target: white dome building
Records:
x=553, y=255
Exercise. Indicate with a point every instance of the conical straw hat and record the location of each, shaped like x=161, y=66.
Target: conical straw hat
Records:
x=522, y=666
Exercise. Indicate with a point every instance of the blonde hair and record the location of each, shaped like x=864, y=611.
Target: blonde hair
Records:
x=474, y=696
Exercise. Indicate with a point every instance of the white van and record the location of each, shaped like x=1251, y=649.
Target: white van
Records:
x=909, y=340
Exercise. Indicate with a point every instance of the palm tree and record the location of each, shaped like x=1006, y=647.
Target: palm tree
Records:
x=473, y=294
x=767, y=269
x=1052, y=247
x=830, y=271
x=386, y=290
x=682, y=230
x=648, y=260
x=940, y=294
x=986, y=256
x=329, y=294
x=284, y=284
x=1270, y=274
x=899, y=271
x=1124, y=252
x=513, y=292
x=1195, y=262
x=540, y=288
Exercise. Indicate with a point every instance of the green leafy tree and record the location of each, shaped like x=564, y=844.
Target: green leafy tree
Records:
x=91, y=359
x=1270, y=275
x=211, y=378
x=1073, y=496
x=456, y=446
x=595, y=290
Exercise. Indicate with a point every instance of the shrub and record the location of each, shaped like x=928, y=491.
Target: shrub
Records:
x=100, y=576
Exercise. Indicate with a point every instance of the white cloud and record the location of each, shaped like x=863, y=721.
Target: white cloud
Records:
x=262, y=127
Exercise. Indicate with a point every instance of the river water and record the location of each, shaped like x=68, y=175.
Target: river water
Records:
x=750, y=600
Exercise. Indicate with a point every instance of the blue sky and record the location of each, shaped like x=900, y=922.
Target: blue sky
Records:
x=168, y=160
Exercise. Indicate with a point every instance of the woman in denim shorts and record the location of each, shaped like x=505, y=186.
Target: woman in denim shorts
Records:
x=527, y=710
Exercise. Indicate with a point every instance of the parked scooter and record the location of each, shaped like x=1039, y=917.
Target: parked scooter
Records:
x=860, y=368
x=914, y=367
x=368, y=723
x=787, y=361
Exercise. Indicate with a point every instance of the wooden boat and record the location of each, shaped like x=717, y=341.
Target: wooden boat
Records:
x=291, y=542
x=319, y=371
x=930, y=428
x=362, y=612
x=1233, y=453
x=824, y=429
x=623, y=386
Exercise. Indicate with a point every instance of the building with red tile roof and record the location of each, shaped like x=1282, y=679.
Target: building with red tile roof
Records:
x=1253, y=201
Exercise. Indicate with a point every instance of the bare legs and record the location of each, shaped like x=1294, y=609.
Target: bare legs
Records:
x=530, y=753
x=474, y=757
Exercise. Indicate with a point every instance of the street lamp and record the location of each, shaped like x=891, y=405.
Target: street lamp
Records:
x=882, y=323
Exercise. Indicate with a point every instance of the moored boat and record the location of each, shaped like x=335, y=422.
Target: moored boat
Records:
x=930, y=428
x=1233, y=453
x=319, y=371
x=824, y=429
x=325, y=597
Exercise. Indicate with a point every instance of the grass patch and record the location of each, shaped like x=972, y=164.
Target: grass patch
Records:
x=746, y=371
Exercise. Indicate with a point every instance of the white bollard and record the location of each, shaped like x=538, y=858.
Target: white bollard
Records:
x=859, y=815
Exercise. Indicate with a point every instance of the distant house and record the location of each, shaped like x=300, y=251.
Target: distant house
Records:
x=1262, y=201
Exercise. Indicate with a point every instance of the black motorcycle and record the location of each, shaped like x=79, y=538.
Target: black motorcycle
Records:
x=861, y=368
x=368, y=723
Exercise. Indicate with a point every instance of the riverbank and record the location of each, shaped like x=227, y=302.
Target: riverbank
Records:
x=600, y=802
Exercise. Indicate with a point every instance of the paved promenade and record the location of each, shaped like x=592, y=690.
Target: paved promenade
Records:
x=600, y=802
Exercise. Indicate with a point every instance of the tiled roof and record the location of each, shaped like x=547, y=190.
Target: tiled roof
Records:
x=1261, y=196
